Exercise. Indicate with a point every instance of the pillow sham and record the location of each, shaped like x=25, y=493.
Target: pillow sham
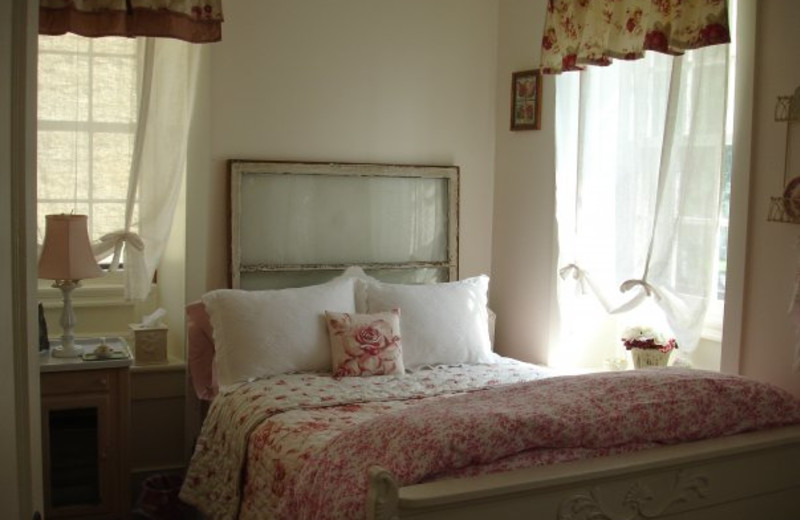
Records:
x=356, y=272
x=365, y=344
x=200, y=355
x=445, y=323
x=263, y=333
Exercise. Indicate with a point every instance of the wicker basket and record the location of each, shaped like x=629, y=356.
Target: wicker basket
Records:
x=649, y=357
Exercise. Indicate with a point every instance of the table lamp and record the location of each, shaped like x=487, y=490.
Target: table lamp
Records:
x=67, y=258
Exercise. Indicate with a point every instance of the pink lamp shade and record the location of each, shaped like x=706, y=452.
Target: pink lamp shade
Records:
x=67, y=253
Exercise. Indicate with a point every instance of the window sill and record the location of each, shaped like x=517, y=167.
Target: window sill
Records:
x=108, y=290
x=93, y=296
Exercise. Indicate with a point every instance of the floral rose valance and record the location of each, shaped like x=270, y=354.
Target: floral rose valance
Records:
x=196, y=21
x=593, y=32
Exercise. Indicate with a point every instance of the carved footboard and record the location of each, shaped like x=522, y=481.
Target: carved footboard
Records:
x=747, y=476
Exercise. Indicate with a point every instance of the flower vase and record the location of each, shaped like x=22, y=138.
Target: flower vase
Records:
x=649, y=357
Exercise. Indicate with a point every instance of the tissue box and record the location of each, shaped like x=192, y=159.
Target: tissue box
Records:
x=149, y=344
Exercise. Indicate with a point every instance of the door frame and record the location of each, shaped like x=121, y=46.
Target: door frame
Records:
x=20, y=432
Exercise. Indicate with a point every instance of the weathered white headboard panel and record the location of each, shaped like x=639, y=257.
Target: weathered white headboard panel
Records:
x=299, y=223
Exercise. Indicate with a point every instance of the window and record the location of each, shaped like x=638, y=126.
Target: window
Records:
x=642, y=207
x=88, y=104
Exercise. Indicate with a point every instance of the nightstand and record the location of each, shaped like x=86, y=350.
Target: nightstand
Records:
x=85, y=434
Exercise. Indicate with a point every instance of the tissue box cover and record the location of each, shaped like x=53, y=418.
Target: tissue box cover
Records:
x=149, y=344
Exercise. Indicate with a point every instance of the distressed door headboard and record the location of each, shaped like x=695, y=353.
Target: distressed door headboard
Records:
x=301, y=223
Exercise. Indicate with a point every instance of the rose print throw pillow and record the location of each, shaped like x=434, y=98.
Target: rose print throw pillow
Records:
x=365, y=344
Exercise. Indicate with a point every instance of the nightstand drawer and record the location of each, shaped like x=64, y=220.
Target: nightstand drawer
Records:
x=85, y=381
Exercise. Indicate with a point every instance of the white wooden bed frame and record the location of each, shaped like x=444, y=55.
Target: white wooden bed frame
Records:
x=750, y=476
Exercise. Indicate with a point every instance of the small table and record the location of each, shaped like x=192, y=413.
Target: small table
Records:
x=121, y=356
x=85, y=433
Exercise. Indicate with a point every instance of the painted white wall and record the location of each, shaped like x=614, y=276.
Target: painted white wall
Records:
x=768, y=335
x=523, y=251
x=203, y=211
x=172, y=279
x=357, y=80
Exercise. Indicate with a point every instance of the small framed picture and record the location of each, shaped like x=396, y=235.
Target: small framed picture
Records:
x=526, y=100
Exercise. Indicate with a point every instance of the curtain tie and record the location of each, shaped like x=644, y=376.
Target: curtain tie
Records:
x=124, y=237
x=649, y=290
x=115, y=240
x=577, y=272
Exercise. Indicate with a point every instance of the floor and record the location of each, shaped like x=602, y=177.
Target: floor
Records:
x=158, y=499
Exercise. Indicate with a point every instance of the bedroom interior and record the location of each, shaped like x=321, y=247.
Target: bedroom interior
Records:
x=383, y=83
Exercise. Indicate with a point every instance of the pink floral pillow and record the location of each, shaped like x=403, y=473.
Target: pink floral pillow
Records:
x=365, y=344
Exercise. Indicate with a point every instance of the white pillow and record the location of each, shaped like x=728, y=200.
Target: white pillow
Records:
x=357, y=273
x=445, y=323
x=262, y=333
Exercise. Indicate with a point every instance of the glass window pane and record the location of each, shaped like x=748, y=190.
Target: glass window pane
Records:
x=111, y=165
x=113, y=83
x=67, y=42
x=114, y=45
x=106, y=218
x=63, y=165
x=63, y=87
x=56, y=208
x=400, y=219
x=694, y=236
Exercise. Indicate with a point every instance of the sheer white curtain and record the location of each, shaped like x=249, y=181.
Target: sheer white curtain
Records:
x=639, y=161
x=158, y=164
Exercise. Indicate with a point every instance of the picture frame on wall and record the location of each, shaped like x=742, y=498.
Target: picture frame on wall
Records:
x=526, y=100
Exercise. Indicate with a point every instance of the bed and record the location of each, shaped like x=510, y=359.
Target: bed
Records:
x=401, y=409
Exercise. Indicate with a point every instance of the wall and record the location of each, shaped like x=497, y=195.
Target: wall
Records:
x=361, y=81
x=768, y=335
x=204, y=219
x=523, y=252
x=172, y=278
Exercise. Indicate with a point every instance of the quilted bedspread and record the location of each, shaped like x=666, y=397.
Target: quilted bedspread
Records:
x=305, y=442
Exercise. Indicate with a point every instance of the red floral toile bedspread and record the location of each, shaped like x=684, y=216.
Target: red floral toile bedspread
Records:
x=312, y=463
x=267, y=429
